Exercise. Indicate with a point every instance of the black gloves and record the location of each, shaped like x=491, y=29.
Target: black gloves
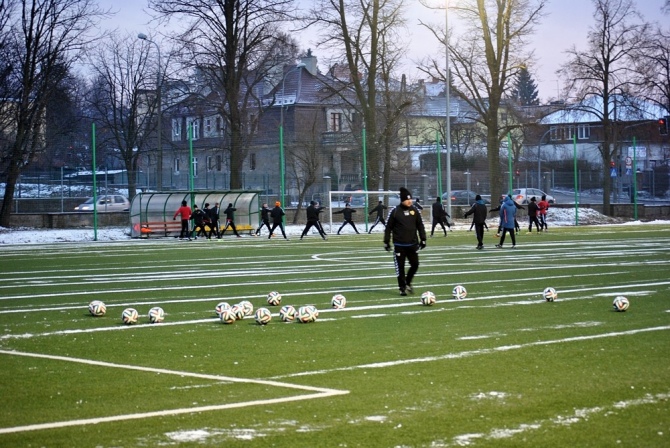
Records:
x=387, y=246
x=422, y=245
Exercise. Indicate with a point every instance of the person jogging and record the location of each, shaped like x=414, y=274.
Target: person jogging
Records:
x=379, y=209
x=403, y=224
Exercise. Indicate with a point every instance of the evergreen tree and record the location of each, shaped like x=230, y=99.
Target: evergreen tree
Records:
x=525, y=89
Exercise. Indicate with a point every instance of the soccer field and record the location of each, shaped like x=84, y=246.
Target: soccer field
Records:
x=500, y=368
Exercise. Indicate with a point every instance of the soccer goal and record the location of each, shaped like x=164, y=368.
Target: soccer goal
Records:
x=361, y=201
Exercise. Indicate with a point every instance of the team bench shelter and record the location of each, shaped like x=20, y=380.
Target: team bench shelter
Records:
x=151, y=213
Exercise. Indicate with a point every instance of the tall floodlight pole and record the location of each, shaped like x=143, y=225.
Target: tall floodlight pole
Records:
x=159, y=142
x=448, y=92
x=282, y=157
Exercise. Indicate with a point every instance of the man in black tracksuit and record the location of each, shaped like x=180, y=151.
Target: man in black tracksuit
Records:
x=440, y=216
x=380, y=215
x=478, y=209
x=347, y=211
x=265, y=219
x=277, y=215
x=313, y=219
x=214, y=218
x=404, y=221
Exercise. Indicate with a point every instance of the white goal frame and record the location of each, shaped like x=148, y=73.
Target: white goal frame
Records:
x=377, y=195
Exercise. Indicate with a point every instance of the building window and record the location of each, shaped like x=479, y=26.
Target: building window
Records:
x=219, y=162
x=210, y=164
x=195, y=167
x=176, y=166
x=208, y=125
x=176, y=129
x=335, y=122
x=583, y=131
x=252, y=161
x=193, y=125
x=218, y=124
x=553, y=133
x=569, y=133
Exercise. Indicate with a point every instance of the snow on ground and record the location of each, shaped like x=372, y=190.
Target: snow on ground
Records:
x=556, y=217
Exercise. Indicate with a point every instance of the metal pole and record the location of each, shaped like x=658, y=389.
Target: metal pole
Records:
x=448, y=92
x=159, y=115
x=95, y=189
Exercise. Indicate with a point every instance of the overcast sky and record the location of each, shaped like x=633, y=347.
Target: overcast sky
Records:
x=566, y=24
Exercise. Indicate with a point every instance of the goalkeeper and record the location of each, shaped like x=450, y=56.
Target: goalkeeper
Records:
x=404, y=221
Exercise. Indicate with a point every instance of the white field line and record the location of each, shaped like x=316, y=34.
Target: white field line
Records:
x=616, y=289
x=320, y=392
x=469, y=353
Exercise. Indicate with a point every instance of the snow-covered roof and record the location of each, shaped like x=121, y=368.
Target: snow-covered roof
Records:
x=621, y=108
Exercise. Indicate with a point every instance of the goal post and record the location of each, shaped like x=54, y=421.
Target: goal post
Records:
x=362, y=201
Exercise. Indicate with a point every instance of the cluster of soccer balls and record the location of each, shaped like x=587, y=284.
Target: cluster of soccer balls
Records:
x=459, y=293
x=129, y=316
x=620, y=303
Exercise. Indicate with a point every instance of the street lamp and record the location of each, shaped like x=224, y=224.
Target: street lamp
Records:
x=282, y=159
x=159, y=143
x=448, y=92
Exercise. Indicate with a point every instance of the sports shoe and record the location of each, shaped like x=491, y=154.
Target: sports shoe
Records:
x=480, y=247
x=402, y=292
x=497, y=235
x=409, y=289
x=498, y=246
x=513, y=246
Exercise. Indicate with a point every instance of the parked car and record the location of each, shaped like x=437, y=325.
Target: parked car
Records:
x=522, y=195
x=462, y=197
x=106, y=203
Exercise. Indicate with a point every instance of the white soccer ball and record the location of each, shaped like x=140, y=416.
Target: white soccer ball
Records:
x=338, y=301
x=287, y=313
x=156, y=315
x=460, y=292
x=221, y=306
x=274, y=298
x=248, y=307
x=238, y=311
x=129, y=316
x=263, y=316
x=307, y=314
x=227, y=316
x=549, y=294
x=427, y=298
x=97, y=308
x=620, y=303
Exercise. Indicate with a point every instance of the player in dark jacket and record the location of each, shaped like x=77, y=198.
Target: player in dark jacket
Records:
x=404, y=222
x=265, y=219
x=277, y=215
x=198, y=217
x=478, y=210
x=347, y=211
x=230, y=220
x=380, y=215
x=313, y=219
x=533, y=211
x=214, y=220
x=440, y=216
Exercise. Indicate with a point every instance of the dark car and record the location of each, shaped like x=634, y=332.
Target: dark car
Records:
x=462, y=197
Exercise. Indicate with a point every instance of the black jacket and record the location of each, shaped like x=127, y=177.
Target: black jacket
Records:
x=379, y=209
x=404, y=223
x=347, y=212
x=277, y=214
x=230, y=213
x=313, y=212
x=265, y=214
x=478, y=209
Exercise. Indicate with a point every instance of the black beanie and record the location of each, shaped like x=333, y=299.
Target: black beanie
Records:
x=404, y=194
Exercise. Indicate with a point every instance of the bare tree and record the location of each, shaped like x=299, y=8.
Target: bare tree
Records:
x=41, y=39
x=366, y=34
x=601, y=76
x=123, y=106
x=486, y=57
x=234, y=45
x=304, y=156
x=652, y=69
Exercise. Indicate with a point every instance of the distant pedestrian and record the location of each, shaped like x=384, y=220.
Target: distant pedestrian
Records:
x=313, y=219
x=543, y=206
x=440, y=216
x=277, y=215
x=404, y=223
x=379, y=209
x=185, y=212
x=507, y=221
x=198, y=217
x=265, y=219
x=348, y=212
x=478, y=212
x=230, y=220
x=533, y=211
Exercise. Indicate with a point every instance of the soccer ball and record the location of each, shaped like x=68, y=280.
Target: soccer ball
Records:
x=274, y=298
x=97, y=308
x=247, y=307
x=287, y=313
x=427, y=298
x=238, y=311
x=220, y=307
x=460, y=292
x=549, y=294
x=129, y=316
x=307, y=314
x=263, y=316
x=156, y=315
x=620, y=303
x=227, y=316
x=338, y=301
